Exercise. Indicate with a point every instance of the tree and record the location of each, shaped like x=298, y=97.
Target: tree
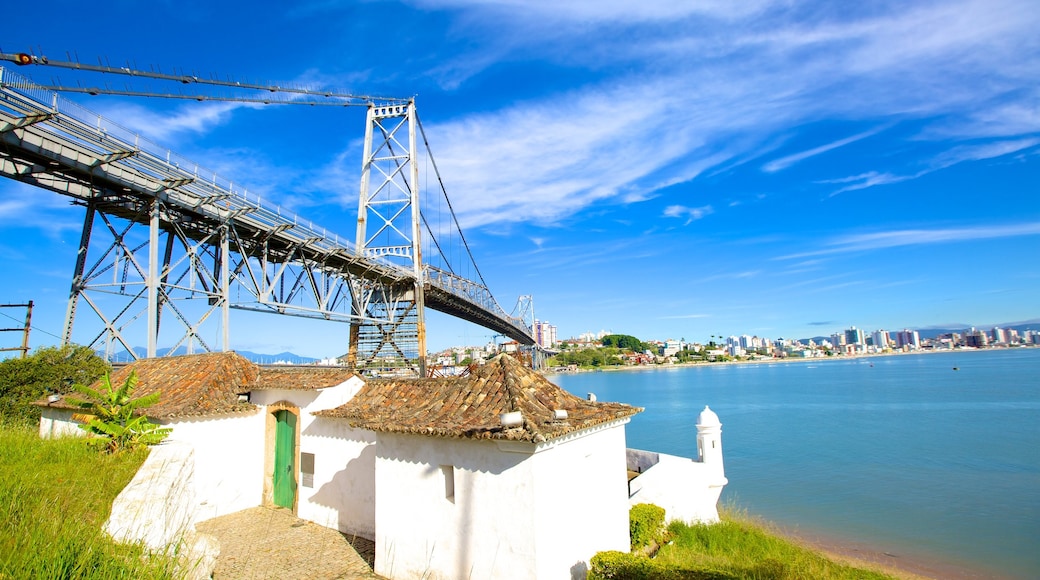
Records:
x=116, y=418
x=49, y=369
x=624, y=342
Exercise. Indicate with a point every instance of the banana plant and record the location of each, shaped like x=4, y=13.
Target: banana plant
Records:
x=115, y=418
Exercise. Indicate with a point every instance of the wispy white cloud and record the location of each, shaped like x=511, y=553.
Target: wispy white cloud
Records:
x=684, y=316
x=953, y=156
x=164, y=126
x=690, y=213
x=978, y=152
x=785, y=162
x=899, y=238
x=711, y=87
x=865, y=180
x=23, y=206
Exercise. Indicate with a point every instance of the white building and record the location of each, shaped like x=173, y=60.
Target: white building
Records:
x=907, y=339
x=499, y=474
x=545, y=334
x=880, y=339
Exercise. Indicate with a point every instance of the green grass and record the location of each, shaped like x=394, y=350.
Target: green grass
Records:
x=735, y=548
x=55, y=496
x=743, y=548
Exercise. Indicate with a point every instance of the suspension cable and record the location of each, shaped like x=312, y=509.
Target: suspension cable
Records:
x=448, y=201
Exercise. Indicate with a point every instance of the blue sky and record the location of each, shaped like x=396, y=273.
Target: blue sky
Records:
x=662, y=169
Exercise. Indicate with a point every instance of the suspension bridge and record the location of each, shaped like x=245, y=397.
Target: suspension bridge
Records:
x=167, y=247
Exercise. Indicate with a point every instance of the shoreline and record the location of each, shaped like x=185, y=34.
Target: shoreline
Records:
x=902, y=566
x=785, y=360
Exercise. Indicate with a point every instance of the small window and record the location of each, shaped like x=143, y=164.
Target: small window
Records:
x=307, y=469
x=449, y=482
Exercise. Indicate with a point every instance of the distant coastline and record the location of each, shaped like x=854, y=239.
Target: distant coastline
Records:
x=784, y=360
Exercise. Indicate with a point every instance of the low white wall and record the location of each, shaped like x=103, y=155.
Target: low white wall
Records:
x=56, y=422
x=158, y=506
x=229, y=461
x=686, y=489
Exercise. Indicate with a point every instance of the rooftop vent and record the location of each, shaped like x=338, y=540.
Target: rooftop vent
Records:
x=511, y=419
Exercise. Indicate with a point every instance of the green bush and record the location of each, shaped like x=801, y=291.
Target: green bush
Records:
x=645, y=524
x=49, y=369
x=615, y=565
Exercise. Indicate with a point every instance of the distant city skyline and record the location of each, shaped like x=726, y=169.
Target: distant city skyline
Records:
x=676, y=169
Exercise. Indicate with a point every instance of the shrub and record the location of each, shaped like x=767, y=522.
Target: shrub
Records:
x=645, y=524
x=615, y=565
x=49, y=369
x=115, y=416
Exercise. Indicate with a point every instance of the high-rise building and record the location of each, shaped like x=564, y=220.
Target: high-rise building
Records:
x=910, y=339
x=881, y=339
x=544, y=334
x=975, y=338
x=854, y=336
x=999, y=335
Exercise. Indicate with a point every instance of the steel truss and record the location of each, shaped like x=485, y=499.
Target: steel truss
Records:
x=173, y=235
x=171, y=247
x=388, y=227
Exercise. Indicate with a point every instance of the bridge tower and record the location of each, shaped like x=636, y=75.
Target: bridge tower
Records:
x=388, y=228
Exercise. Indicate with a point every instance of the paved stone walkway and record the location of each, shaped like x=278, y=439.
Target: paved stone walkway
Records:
x=265, y=542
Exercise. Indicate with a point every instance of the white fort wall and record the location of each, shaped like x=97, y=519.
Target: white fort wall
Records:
x=581, y=503
x=340, y=491
x=228, y=461
x=55, y=422
x=459, y=508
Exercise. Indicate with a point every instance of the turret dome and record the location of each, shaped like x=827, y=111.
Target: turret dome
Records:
x=708, y=418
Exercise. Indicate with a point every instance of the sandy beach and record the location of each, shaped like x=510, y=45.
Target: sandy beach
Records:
x=903, y=566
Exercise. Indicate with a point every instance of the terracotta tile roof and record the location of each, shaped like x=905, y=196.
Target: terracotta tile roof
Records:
x=301, y=378
x=470, y=406
x=207, y=384
x=192, y=385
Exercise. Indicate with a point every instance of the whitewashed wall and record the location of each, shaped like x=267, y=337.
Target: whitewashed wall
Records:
x=56, y=422
x=229, y=461
x=342, y=494
x=582, y=501
x=484, y=531
x=687, y=490
x=519, y=510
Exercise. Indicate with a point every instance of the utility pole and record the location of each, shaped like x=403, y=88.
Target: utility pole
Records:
x=24, y=330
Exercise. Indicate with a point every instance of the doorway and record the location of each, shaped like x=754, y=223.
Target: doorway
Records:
x=284, y=476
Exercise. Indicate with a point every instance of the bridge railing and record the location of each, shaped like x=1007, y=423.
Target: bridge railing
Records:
x=471, y=291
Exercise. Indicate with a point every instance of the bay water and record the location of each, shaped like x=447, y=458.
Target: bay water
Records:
x=925, y=456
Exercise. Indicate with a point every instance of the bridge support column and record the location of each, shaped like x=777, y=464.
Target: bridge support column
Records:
x=152, y=281
x=225, y=290
x=77, y=275
x=388, y=227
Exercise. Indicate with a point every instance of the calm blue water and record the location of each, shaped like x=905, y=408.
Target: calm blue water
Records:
x=901, y=453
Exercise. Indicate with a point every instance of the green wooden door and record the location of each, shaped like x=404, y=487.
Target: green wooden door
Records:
x=285, y=459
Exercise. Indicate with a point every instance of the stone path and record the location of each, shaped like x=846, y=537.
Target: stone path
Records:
x=265, y=542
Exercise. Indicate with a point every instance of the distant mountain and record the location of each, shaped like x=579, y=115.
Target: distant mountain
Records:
x=282, y=357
